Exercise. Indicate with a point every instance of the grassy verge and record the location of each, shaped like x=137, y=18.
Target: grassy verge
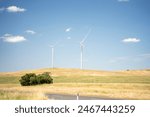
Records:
x=112, y=90
x=21, y=95
x=15, y=92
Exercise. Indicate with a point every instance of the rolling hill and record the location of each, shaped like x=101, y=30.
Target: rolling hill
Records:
x=78, y=72
x=132, y=84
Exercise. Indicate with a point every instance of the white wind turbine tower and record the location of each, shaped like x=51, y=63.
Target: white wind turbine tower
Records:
x=52, y=59
x=52, y=54
x=82, y=47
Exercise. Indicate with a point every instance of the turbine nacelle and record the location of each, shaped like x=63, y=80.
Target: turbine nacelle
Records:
x=81, y=44
x=51, y=46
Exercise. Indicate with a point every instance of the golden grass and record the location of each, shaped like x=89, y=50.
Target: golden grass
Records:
x=16, y=92
x=78, y=72
x=111, y=90
x=7, y=94
x=134, y=84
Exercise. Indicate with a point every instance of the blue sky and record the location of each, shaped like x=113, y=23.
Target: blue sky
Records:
x=119, y=37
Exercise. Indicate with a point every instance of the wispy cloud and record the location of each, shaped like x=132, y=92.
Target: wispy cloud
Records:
x=6, y=35
x=131, y=40
x=15, y=9
x=135, y=58
x=68, y=30
x=145, y=56
x=12, y=9
x=117, y=59
x=13, y=39
x=30, y=32
x=123, y=0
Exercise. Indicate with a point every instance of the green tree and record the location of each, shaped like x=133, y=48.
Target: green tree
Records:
x=33, y=79
x=25, y=79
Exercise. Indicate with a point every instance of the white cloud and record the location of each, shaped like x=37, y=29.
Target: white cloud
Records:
x=15, y=9
x=13, y=39
x=30, y=32
x=68, y=30
x=131, y=40
x=123, y=0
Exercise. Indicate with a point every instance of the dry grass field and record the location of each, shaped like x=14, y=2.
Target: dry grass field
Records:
x=134, y=84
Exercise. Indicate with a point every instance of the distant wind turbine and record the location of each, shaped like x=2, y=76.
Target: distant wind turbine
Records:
x=52, y=54
x=82, y=47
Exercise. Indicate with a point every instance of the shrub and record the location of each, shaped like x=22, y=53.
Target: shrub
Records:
x=33, y=79
x=25, y=79
x=44, y=78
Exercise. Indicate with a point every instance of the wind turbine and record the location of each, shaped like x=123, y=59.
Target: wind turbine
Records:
x=82, y=47
x=52, y=54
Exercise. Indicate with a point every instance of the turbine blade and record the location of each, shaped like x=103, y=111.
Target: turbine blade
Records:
x=85, y=37
x=56, y=43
